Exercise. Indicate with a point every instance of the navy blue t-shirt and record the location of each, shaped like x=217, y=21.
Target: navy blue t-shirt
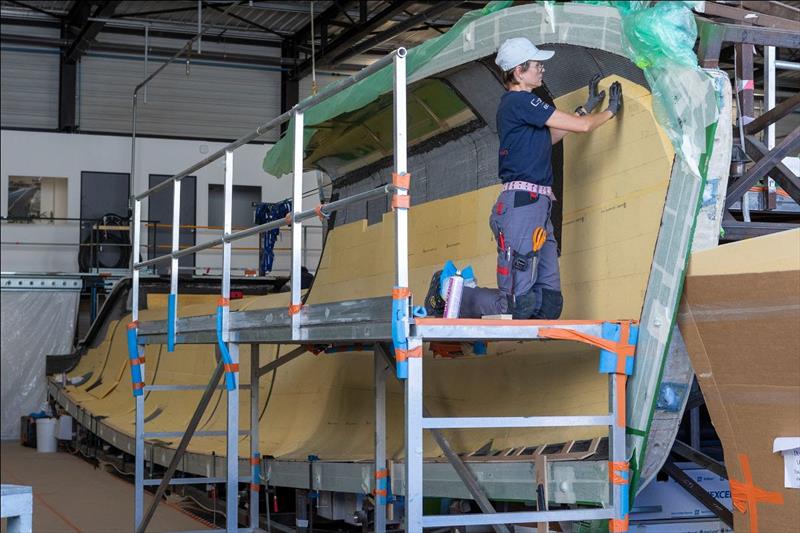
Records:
x=525, y=144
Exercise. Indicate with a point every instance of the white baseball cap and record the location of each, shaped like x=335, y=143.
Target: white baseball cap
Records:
x=517, y=51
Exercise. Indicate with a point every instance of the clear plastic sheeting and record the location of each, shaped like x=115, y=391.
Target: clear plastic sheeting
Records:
x=35, y=323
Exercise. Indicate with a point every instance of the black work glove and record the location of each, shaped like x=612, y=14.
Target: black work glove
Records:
x=594, y=97
x=615, y=98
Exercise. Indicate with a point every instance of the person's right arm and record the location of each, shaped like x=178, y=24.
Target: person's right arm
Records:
x=576, y=124
x=586, y=123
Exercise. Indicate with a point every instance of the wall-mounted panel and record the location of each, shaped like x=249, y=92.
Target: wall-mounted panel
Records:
x=29, y=81
x=207, y=100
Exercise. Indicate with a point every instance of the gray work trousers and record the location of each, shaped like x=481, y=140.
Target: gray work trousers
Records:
x=529, y=285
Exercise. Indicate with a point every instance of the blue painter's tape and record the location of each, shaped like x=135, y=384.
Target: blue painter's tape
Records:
x=171, y=323
x=133, y=353
x=624, y=508
x=399, y=313
x=256, y=475
x=230, y=379
x=608, y=360
x=382, y=484
x=402, y=370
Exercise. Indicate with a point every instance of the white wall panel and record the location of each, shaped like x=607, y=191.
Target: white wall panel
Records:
x=29, y=81
x=214, y=101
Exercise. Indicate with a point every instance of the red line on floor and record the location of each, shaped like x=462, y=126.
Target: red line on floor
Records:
x=41, y=500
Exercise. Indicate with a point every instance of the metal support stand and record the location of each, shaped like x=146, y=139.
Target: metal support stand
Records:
x=381, y=491
x=255, y=454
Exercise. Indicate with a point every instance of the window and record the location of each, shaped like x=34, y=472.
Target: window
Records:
x=244, y=196
x=37, y=197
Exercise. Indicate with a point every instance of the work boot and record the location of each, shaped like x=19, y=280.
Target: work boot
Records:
x=434, y=303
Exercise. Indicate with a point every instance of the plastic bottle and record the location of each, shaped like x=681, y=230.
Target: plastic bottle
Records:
x=452, y=303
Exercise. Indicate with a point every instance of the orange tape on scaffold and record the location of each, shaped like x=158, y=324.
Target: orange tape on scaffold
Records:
x=615, y=468
x=400, y=293
x=133, y=325
x=380, y=474
x=231, y=367
x=320, y=215
x=618, y=525
x=137, y=386
x=294, y=309
x=623, y=350
x=746, y=495
x=402, y=355
x=401, y=202
x=255, y=487
x=223, y=302
x=380, y=492
x=402, y=181
x=254, y=461
x=137, y=361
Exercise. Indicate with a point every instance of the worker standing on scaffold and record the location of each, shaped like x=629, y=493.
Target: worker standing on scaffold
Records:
x=528, y=279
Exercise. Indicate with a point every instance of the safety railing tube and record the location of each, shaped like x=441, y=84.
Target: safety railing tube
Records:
x=324, y=210
x=277, y=121
x=297, y=223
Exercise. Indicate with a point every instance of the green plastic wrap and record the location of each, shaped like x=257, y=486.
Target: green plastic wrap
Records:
x=659, y=39
x=278, y=160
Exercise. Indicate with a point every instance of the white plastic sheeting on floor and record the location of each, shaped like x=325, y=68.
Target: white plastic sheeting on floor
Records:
x=35, y=323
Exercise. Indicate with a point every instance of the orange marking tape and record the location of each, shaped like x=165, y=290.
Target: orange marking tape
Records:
x=137, y=361
x=381, y=474
x=294, y=309
x=137, y=386
x=500, y=322
x=622, y=381
x=402, y=355
x=622, y=350
x=255, y=487
x=400, y=293
x=380, y=492
x=618, y=525
x=401, y=180
x=746, y=495
x=616, y=467
x=232, y=367
x=133, y=325
x=254, y=460
x=402, y=202
x=223, y=302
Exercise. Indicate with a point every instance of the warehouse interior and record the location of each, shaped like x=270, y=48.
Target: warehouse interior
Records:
x=242, y=242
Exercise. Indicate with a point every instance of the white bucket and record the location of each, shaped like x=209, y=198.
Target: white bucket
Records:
x=46, y=435
x=64, y=428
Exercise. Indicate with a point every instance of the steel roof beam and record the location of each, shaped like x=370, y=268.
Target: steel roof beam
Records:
x=345, y=39
x=89, y=31
x=395, y=30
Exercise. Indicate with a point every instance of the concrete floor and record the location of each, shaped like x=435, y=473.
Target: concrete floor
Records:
x=70, y=495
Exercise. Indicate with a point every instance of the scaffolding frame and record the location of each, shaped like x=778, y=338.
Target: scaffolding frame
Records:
x=392, y=327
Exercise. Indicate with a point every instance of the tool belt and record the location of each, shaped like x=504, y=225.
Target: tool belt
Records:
x=530, y=187
x=522, y=262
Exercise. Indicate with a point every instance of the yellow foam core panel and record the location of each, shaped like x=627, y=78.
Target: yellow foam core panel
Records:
x=615, y=182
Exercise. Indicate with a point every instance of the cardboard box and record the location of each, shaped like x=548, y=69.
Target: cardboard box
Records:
x=667, y=500
x=739, y=317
